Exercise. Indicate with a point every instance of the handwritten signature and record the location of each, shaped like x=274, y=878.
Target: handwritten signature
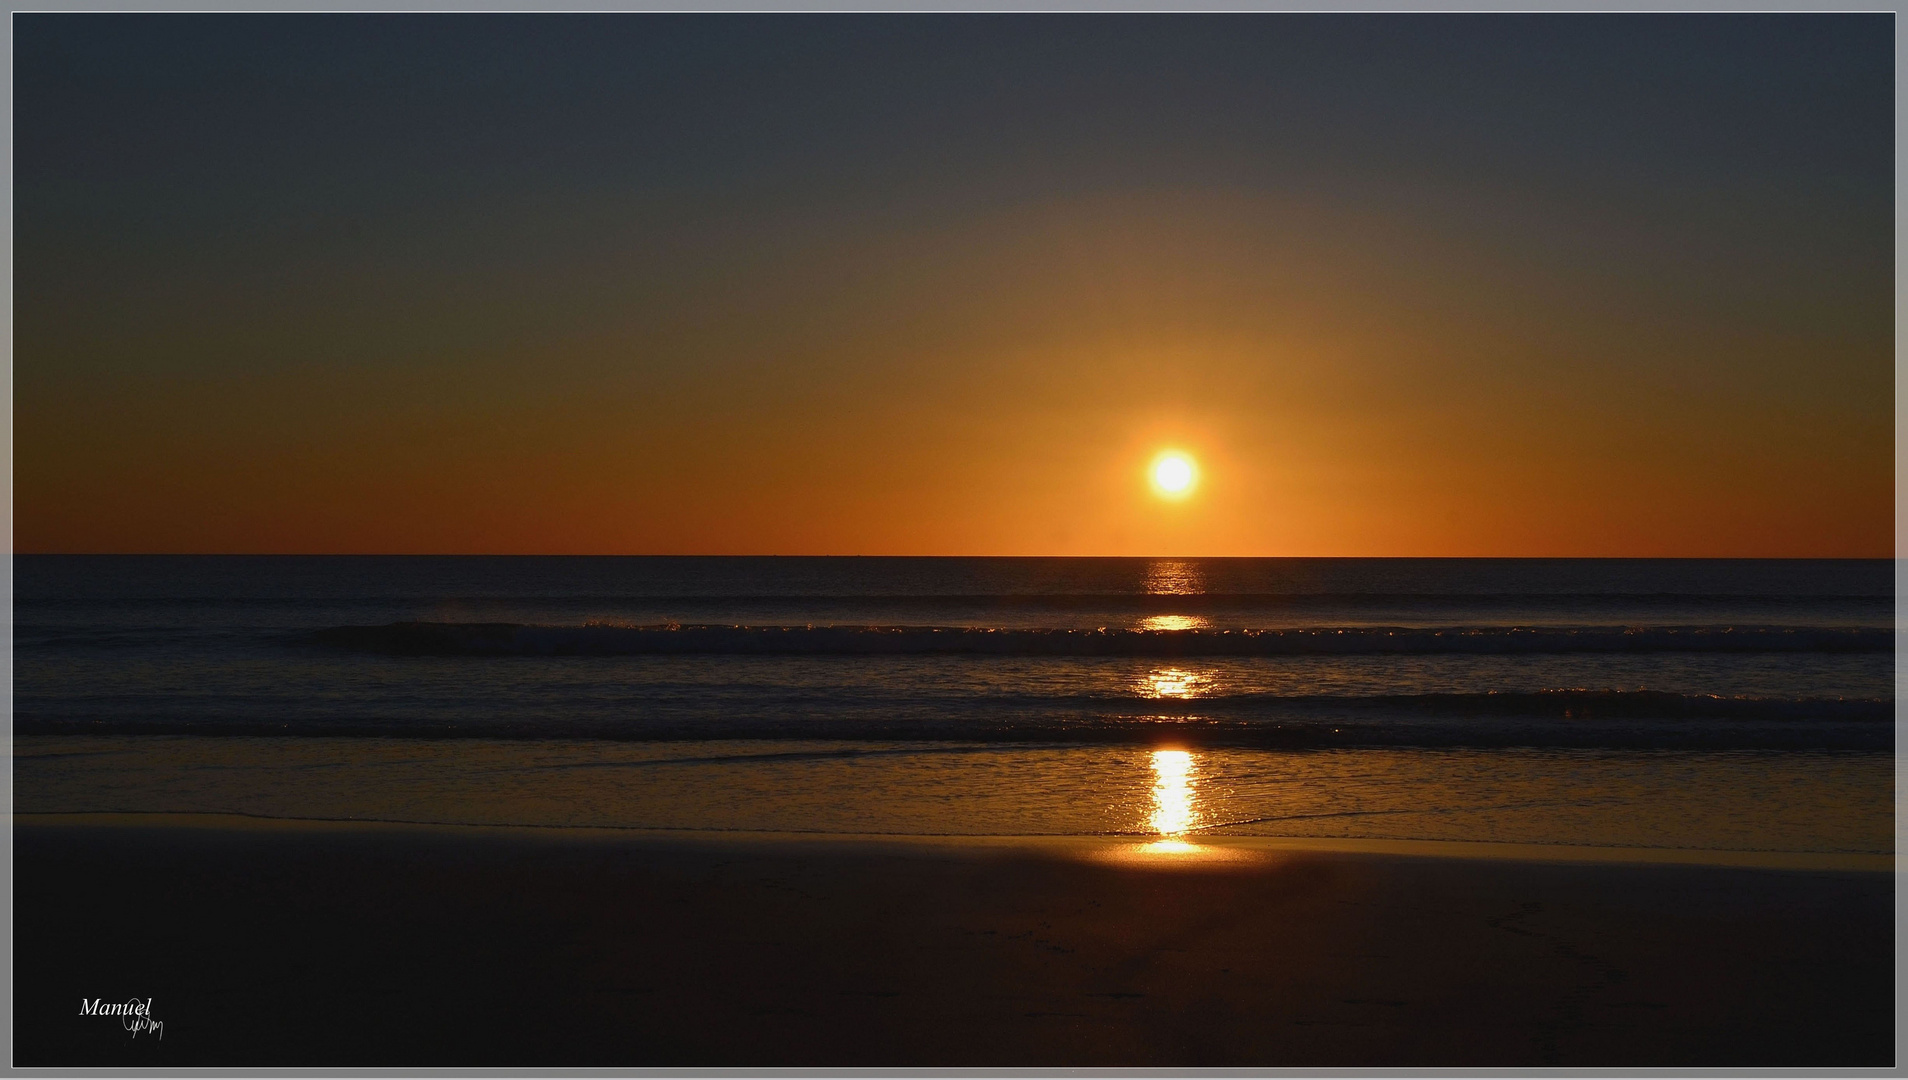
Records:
x=134, y=1015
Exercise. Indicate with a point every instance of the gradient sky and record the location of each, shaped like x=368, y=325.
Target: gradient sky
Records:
x=1403, y=285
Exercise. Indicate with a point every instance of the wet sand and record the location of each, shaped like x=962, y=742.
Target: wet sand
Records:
x=273, y=943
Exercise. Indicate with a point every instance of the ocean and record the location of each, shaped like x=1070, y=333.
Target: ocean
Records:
x=1693, y=705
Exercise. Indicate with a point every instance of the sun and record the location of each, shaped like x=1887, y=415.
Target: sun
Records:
x=1174, y=474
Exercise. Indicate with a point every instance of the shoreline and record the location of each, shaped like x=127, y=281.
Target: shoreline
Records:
x=1137, y=850
x=1808, y=811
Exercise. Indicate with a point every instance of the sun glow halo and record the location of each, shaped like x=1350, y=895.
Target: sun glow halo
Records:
x=1174, y=474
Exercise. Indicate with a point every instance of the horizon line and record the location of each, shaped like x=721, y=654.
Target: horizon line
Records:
x=871, y=555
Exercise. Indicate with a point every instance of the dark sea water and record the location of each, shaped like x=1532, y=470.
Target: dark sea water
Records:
x=979, y=695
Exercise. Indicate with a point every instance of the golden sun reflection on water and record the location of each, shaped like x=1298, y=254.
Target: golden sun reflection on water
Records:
x=1174, y=622
x=1173, y=812
x=1172, y=684
x=1174, y=577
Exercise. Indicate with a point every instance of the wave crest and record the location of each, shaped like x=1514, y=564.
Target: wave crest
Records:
x=516, y=639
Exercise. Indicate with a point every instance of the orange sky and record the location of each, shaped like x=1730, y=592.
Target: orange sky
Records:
x=1450, y=362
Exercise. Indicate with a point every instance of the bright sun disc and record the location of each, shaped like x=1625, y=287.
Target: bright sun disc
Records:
x=1174, y=474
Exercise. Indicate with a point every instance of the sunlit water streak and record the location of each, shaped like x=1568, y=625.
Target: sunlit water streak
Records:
x=1173, y=812
x=1173, y=683
x=1174, y=577
x=1174, y=622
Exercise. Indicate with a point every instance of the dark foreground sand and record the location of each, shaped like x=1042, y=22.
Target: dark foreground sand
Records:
x=353, y=945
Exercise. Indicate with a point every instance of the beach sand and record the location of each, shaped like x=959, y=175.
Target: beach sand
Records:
x=282, y=943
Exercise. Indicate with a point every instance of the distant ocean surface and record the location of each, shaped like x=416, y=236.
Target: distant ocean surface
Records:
x=947, y=678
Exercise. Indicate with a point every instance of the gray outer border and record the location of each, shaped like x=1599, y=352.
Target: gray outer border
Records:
x=915, y=7
x=6, y=572
x=976, y=1072
x=1901, y=566
x=951, y=6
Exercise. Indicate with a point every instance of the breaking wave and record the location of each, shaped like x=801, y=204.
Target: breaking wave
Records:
x=1635, y=719
x=514, y=639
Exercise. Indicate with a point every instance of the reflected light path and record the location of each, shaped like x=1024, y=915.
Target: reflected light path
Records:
x=1173, y=811
x=1174, y=577
x=1172, y=684
x=1174, y=622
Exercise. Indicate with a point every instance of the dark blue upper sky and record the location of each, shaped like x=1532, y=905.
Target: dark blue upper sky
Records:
x=372, y=111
